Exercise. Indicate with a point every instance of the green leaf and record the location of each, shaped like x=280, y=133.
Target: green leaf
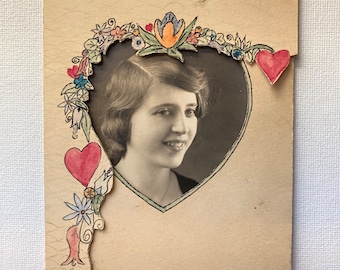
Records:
x=249, y=57
x=255, y=51
x=127, y=27
x=260, y=47
x=147, y=37
x=202, y=41
x=69, y=88
x=225, y=51
x=97, y=200
x=89, y=85
x=204, y=31
x=95, y=57
x=173, y=52
x=151, y=50
x=186, y=33
x=188, y=47
x=128, y=35
x=238, y=41
x=91, y=44
x=81, y=104
x=86, y=124
x=229, y=47
x=102, y=183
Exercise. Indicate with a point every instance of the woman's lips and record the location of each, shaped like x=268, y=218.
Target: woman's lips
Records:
x=176, y=145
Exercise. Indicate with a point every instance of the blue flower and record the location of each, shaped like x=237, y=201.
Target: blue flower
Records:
x=237, y=54
x=80, y=82
x=81, y=210
x=211, y=34
x=138, y=43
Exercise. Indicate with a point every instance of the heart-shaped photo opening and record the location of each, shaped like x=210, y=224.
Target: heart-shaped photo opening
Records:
x=168, y=127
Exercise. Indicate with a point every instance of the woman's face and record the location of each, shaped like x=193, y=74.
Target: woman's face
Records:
x=164, y=126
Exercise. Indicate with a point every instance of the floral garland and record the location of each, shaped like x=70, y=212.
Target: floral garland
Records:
x=87, y=215
x=167, y=36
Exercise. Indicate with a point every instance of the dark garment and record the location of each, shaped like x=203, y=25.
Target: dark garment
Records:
x=185, y=183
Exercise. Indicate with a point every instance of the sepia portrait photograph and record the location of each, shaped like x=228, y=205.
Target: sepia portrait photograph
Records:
x=165, y=125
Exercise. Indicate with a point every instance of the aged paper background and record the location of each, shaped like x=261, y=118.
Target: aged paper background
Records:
x=239, y=219
x=316, y=227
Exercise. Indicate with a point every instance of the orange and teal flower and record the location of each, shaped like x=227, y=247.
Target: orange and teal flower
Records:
x=169, y=30
x=170, y=36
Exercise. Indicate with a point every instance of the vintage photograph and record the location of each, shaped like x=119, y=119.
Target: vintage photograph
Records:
x=165, y=125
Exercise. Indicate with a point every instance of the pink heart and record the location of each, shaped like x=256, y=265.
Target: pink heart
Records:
x=72, y=72
x=82, y=164
x=273, y=64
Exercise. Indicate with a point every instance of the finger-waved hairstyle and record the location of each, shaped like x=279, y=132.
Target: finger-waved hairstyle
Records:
x=128, y=87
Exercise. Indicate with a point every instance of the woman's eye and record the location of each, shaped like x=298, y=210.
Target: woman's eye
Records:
x=163, y=112
x=190, y=112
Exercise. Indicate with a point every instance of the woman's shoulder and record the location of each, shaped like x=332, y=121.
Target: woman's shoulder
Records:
x=185, y=183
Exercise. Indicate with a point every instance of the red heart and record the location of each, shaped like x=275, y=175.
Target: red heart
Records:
x=82, y=164
x=274, y=64
x=72, y=72
x=148, y=27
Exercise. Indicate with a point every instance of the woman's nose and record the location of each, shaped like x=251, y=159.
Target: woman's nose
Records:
x=180, y=124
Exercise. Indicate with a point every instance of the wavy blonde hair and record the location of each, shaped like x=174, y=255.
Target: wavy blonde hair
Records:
x=128, y=87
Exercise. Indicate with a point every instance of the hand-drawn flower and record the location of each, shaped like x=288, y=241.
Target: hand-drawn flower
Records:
x=84, y=66
x=80, y=81
x=137, y=43
x=169, y=30
x=81, y=210
x=77, y=115
x=68, y=104
x=135, y=32
x=105, y=45
x=101, y=185
x=237, y=54
x=193, y=38
x=101, y=32
x=89, y=192
x=73, y=241
x=211, y=34
x=83, y=95
x=117, y=33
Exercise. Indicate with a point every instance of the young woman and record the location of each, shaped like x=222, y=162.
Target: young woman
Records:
x=152, y=106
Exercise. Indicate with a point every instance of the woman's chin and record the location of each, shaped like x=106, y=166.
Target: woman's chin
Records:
x=175, y=162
